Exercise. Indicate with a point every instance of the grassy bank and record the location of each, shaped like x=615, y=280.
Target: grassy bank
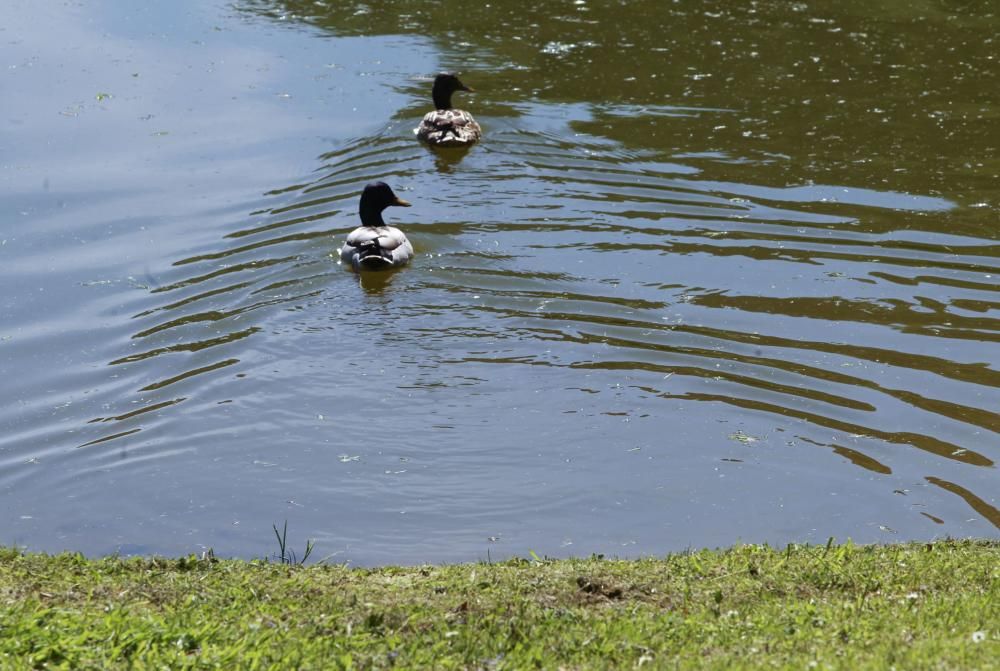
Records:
x=908, y=606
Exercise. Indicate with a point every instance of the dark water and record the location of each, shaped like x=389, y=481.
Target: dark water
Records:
x=714, y=275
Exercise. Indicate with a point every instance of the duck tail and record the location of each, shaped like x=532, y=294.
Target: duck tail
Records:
x=372, y=255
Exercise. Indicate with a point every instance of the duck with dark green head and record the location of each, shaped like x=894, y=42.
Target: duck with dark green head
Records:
x=374, y=245
x=446, y=126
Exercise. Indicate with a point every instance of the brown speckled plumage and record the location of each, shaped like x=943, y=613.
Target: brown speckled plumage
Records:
x=446, y=126
x=449, y=128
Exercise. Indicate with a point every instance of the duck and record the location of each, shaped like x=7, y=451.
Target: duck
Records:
x=374, y=245
x=445, y=126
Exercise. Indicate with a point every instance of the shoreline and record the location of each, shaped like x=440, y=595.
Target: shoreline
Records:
x=910, y=605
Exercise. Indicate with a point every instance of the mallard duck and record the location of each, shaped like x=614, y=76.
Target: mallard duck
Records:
x=373, y=245
x=447, y=127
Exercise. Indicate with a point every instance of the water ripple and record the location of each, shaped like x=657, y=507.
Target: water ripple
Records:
x=560, y=280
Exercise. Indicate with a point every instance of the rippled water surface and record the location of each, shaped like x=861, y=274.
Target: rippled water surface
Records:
x=713, y=275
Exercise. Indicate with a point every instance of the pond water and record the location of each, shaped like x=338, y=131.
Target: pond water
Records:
x=714, y=275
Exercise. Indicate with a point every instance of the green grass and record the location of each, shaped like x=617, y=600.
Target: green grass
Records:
x=914, y=606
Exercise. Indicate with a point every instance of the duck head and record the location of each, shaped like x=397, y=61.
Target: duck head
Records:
x=376, y=197
x=445, y=84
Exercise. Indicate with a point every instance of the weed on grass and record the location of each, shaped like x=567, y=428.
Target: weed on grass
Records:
x=285, y=554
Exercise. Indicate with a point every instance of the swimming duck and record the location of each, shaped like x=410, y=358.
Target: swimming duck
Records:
x=447, y=127
x=373, y=245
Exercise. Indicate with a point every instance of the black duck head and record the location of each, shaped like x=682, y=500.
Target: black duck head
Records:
x=376, y=197
x=445, y=84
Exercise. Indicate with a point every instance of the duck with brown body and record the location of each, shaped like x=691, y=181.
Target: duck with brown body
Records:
x=446, y=126
x=374, y=245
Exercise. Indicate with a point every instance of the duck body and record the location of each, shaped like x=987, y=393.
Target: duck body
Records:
x=375, y=245
x=378, y=248
x=447, y=126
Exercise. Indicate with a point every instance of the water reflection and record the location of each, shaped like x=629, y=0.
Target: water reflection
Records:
x=561, y=251
x=375, y=283
x=829, y=92
x=447, y=160
x=593, y=207
x=679, y=290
